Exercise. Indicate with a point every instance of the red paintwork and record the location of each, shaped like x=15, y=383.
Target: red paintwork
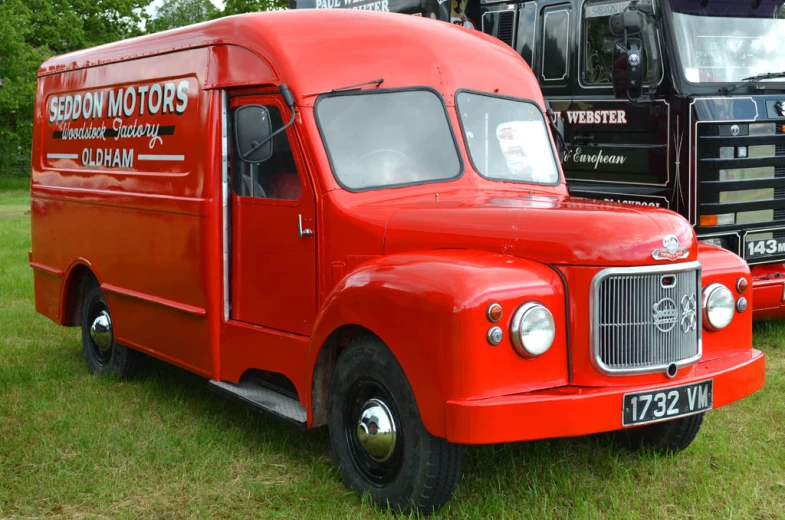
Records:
x=418, y=266
x=768, y=286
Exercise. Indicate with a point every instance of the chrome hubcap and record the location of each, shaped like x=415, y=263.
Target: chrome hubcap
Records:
x=376, y=430
x=101, y=331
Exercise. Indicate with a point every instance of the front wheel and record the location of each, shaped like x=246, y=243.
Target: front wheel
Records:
x=102, y=353
x=378, y=439
x=667, y=437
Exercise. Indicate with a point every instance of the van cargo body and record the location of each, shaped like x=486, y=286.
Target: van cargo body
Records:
x=342, y=238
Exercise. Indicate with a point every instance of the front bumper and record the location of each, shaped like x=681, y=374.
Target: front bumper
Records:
x=571, y=411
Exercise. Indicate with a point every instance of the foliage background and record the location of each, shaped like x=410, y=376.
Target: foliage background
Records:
x=33, y=30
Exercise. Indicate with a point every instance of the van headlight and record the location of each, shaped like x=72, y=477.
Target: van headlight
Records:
x=533, y=329
x=718, y=306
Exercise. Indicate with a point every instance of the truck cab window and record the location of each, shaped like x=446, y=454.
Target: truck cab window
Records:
x=527, y=19
x=556, y=43
x=275, y=178
x=598, y=42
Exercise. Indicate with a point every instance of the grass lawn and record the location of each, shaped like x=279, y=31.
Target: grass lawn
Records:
x=162, y=446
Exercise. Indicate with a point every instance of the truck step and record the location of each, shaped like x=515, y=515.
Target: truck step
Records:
x=264, y=399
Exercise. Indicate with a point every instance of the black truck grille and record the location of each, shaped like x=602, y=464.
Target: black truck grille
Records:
x=741, y=180
x=506, y=26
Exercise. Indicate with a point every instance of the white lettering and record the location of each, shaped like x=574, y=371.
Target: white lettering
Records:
x=703, y=396
x=98, y=105
x=77, y=111
x=128, y=108
x=115, y=103
x=577, y=156
x=53, y=109
x=69, y=105
x=87, y=106
x=142, y=91
x=155, y=93
x=182, y=97
x=597, y=117
x=168, y=98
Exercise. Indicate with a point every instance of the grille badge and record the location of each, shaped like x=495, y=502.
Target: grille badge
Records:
x=689, y=319
x=671, y=250
x=665, y=314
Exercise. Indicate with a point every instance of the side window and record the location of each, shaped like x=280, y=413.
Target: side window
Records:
x=555, y=43
x=275, y=178
x=598, y=42
x=527, y=28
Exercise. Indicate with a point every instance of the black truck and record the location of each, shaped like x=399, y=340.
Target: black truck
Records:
x=671, y=103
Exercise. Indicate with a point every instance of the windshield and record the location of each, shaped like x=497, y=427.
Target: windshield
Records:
x=729, y=40
x=507, y=139
x=389, y=138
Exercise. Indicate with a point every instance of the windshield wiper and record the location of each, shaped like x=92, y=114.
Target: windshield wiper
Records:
x=728, y=90
x=358, y=86
x=765, y=75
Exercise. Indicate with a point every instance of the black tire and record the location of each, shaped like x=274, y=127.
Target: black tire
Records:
x=665, y=437
x=111, y=358
x=422, y=471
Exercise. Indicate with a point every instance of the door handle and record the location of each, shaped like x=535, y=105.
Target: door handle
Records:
x=303, y=233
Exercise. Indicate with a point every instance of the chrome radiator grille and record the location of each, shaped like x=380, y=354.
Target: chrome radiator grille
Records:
x=645, y=319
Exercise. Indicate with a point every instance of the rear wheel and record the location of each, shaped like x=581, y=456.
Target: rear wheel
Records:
x=102, y=353
x=667, y=437
x=378, y=439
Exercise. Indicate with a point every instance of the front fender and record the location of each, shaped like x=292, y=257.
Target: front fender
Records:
x=429, y=308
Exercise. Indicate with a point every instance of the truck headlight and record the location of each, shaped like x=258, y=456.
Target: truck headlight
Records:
x=718, y=306
x=533, y=329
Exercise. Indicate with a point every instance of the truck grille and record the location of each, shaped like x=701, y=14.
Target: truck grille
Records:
x=741, y=179
x=646, y=318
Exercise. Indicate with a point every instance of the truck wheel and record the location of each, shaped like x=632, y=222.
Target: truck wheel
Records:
x=102, y=353
x=378, y=439
x=667, y=437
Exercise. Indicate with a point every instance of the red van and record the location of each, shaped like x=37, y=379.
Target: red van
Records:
x=370, y=231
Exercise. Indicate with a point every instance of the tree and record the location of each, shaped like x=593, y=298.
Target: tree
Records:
x=252, y=6
x=177, y=13
x=33, y=30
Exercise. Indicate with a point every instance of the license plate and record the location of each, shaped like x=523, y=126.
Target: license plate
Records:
x=757, y=248
x=668, y=403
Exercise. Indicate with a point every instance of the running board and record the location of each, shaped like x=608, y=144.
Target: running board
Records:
x=264, y=399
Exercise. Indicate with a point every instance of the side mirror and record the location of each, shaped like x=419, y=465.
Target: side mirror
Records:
x=630, y=21
x=252, y=129
x=629, y=62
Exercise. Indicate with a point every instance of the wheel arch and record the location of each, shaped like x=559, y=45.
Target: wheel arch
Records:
x=324, y=367
x=76, y=282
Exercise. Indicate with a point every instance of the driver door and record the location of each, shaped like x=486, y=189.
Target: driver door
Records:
x=273, y=257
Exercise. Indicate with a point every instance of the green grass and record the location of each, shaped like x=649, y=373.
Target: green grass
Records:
x=162, y=446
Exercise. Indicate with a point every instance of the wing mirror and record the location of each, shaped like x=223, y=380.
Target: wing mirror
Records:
x=252, y=131
x=630, y=22
x=629, y=59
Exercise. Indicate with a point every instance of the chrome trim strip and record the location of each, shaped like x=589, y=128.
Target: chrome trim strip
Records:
x=594, y=316
x=225, y=198
x=157, y=300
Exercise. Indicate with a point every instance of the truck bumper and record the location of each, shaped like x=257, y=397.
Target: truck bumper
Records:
x=768, y=291
x=570, y=411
